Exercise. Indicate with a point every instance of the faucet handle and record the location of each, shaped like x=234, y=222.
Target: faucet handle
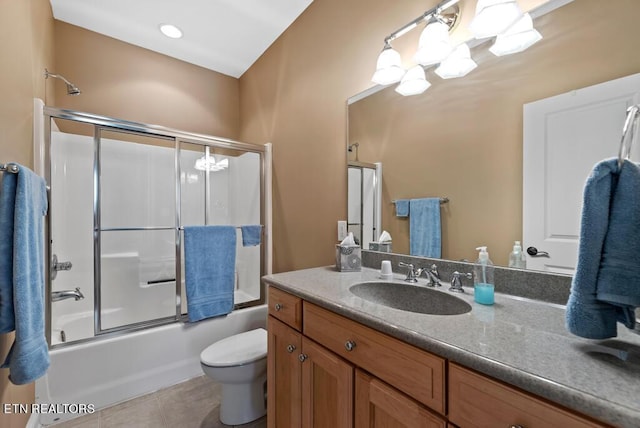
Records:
x=411, y=273
x=456, y=282
x=79, y=294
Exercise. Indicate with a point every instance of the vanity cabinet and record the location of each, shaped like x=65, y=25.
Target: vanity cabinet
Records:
x=308, y=386
x=379, y=405
x=477, y=401
x=325, y=370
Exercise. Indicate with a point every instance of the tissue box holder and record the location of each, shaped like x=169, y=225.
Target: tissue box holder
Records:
x=348, y=258
x=384, y=247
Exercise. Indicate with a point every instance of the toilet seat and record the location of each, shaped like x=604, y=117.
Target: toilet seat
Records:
x=236, y=350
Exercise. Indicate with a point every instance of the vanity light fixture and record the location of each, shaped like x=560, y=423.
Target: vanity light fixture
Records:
x=389, y=66
x=493, y=17
x=413, y=82
x=170, y=31
x=517, y=38
x=503, y=18
x=434, y=44
x=203, y=164
x=458, y=64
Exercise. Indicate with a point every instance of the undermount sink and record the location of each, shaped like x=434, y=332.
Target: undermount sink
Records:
x=412, y=298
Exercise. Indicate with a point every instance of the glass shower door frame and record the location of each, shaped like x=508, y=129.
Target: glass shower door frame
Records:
x=103, y=123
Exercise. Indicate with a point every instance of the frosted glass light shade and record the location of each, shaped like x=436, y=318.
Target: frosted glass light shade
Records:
x=493, y=17
x=434, y=44
x=389, y=67
x=458, y=64
x=518, y=37
x=413, y=82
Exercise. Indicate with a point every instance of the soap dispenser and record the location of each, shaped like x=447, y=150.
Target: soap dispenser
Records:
x=483, y=284
x=517, y=259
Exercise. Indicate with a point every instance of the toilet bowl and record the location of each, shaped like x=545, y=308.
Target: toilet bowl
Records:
x=239, y=364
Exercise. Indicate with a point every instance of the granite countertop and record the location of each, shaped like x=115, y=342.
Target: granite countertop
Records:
x=520, y=341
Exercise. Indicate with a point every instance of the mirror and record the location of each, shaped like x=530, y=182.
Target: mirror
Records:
x=462, y=138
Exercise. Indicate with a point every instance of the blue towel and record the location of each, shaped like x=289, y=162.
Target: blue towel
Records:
x=209, y=261
x=402, y=208
x=251, y=235
x=23, y=203
x=424, y=227
x=606, y=285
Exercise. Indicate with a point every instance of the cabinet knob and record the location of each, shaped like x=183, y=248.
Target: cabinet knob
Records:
x=278, y=307
x=290, y=348
x=302, y=357
x=349, y=345
x=516, y=426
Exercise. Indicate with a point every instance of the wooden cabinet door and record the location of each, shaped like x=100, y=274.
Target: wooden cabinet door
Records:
x=284, y=382
x=476, y=401
x=327, y=388
x=378, y=405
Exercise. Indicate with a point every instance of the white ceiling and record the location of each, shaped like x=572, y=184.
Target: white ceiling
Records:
x=226, y=36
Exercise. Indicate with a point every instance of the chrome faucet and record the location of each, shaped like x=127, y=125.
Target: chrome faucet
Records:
x=456, y=283
x=412, y=274
x=56, y=296
x=433, y=276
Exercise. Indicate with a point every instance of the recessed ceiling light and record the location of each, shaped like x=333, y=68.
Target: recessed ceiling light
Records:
x=170, y=30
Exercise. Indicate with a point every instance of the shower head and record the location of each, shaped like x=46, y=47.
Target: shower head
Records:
x=71, y=88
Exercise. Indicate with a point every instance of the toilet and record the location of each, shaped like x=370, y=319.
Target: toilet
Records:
x=239, y=363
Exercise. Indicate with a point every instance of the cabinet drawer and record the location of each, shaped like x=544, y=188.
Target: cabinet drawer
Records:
x=478, y=401
x=286, y=307
x=413, y=371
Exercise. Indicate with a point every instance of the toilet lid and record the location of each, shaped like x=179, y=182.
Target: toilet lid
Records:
x=236, y=350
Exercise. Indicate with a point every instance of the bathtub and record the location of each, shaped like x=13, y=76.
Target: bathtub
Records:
x=105, y=372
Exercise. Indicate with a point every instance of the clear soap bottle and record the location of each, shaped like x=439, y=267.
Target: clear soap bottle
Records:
x=483, y=283
x=517, y=258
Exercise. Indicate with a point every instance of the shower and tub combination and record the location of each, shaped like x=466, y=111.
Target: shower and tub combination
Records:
x=120, y=195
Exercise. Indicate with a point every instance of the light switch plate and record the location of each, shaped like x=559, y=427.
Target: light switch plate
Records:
x=342, y=230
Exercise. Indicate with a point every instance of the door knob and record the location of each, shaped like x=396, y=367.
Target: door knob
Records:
x=533, y=252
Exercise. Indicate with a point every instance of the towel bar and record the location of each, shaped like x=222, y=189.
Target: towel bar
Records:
x=442, y=201
x=629, y=128
x=9, y=167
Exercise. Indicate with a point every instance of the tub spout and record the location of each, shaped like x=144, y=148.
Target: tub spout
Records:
x=66, y=294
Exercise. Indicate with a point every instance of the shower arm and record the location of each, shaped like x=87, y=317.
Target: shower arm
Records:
x=48, y=74
x=71, y=88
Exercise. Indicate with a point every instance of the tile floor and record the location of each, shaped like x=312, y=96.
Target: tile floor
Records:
x=191, y=404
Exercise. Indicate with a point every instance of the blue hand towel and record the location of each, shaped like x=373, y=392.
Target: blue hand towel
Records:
x=424, y=227
x=210, y=261
x=251, y=235
x=606, y=285
x=23, y=196
x=402, y=208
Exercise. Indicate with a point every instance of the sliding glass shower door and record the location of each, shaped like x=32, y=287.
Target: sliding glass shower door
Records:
x=136, y=229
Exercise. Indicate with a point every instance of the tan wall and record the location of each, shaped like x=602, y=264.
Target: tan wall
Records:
x=294, y=96
x=121, y=80
x=29, y=27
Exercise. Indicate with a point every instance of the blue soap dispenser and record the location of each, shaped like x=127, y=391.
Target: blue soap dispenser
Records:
x=483, y=285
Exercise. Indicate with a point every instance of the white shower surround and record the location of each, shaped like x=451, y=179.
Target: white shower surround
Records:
x=130, y=260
